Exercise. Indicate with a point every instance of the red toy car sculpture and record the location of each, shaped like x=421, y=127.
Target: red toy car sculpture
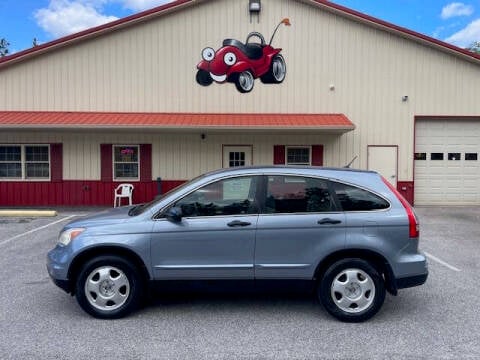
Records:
x=243, y=63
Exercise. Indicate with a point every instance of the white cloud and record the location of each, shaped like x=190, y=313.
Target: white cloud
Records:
x=138, y=5
x=456, y=9
x=466, y=36
x=63, y=17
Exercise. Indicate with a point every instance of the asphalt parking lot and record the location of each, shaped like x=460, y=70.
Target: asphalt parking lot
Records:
x=439, y=320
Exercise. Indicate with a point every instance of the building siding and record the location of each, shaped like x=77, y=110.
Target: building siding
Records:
x=174, y=156
x=150, y=67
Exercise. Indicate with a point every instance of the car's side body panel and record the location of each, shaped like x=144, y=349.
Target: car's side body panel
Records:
x=288, y=246
x=203, y=248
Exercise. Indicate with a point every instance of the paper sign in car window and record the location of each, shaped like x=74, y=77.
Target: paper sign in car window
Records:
x=236, y=189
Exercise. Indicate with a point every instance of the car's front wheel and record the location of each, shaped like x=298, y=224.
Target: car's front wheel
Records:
x=244, y=81
x=109, y=287
x=352, y=290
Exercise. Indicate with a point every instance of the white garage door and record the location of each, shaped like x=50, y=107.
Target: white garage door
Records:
x=447, y=163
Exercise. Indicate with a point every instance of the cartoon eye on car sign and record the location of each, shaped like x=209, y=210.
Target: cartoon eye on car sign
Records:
x=243, y=63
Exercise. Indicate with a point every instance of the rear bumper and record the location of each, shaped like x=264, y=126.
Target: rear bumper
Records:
x=411, y=281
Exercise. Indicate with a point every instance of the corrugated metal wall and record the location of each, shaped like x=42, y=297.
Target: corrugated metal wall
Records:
x=151, y=67
x=174, y=156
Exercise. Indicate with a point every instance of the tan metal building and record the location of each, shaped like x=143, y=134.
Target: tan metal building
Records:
x=124, y=102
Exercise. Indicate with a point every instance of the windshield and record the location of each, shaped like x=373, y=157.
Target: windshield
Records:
x=141, y=208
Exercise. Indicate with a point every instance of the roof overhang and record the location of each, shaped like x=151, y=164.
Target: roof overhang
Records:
x=19, y=120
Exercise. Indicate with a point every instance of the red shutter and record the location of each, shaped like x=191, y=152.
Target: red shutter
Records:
x=145, y=162
x=278, y=154
x=317, y=155
x=106, y=162
x=56, y=162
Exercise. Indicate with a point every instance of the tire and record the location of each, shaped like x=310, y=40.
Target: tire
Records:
x=277, y=72
x=203, y=78
x=109, y=287
x=352, y=290
x=244, y=81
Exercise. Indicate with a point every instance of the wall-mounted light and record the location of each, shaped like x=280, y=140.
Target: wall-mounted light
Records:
x=203, y=136
x=254, y=6
x=405, y=98
x=331, y=87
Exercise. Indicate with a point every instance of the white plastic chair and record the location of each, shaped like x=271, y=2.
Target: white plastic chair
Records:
x=123, y=191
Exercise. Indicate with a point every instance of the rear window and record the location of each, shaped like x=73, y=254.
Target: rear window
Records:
x=352, y=198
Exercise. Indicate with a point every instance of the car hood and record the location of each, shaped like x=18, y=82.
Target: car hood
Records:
x=106, y=217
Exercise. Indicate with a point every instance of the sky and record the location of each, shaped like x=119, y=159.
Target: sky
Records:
x=456, y=22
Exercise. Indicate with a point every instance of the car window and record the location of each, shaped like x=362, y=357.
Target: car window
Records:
x=296, y=194
x=352, y=198
x=232, y=196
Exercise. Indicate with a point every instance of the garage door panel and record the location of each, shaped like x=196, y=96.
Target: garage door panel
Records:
x=447, y=182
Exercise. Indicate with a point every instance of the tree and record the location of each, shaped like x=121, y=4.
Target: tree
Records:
x=475, y=47
x=4, y=47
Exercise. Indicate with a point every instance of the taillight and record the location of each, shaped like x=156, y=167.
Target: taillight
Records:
x=414, y=226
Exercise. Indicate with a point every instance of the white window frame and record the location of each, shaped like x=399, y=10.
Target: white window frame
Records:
x=23, y=161
x=299, y=147
x=115, y=178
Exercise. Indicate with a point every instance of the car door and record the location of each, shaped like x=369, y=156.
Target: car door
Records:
x=215, y=238
x=299, y=225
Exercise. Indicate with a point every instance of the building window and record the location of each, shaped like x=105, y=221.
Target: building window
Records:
x=25, y=162
x=471, y=156
x=420, y=156
x=298, y=155
x=436, y=156
x=454, y=156
x=126, y=162
x=236, y=158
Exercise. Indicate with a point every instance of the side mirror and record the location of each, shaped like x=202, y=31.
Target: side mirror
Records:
x=174, y=214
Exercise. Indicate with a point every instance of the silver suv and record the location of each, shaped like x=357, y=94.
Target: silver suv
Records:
x=348, y=235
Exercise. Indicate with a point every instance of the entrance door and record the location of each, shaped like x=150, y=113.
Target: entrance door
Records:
x=237, y=155
x=383, y=159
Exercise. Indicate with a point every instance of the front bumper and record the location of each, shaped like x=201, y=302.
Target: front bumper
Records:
x=57, y=267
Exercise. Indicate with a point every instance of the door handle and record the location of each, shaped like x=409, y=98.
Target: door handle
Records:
x=328, y=221
x=236, y=223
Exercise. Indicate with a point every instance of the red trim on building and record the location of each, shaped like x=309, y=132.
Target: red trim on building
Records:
x=56, y=162
x=407, y=189
x=73, y=120
x=317, y=155
x=75, y=192
x=279, y=154
x=179, y=4
x=106, y=162
x=145, y=162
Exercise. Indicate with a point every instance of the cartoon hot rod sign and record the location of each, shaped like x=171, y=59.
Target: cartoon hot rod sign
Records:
x=241, y=63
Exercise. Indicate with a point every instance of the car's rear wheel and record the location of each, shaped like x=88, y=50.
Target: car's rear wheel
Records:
x=352, y=290
x=277, y=71
x=244, y=81
x=109, y=287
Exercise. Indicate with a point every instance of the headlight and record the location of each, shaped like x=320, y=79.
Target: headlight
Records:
x=68, y=235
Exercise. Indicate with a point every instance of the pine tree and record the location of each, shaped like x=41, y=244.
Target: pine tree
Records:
x=4, y=47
